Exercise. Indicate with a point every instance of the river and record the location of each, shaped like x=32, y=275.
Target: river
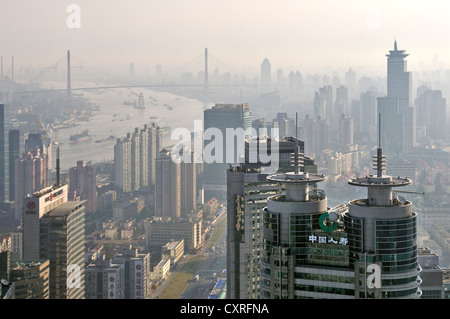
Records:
x=117, y=119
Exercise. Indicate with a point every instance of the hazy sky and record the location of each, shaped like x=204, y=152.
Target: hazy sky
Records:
x=301, y=34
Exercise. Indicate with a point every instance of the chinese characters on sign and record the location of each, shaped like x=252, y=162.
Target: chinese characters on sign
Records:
x=325, y=240
x=138, y=279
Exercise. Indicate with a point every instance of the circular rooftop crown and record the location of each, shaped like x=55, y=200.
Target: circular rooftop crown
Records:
x=301, y=177
x=383, y=181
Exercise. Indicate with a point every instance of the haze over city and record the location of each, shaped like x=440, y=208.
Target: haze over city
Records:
x=223, y=149
x=306, y=35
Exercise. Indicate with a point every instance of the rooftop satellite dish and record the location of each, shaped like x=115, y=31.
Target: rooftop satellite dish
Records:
x=4, y=282
x=402, y=200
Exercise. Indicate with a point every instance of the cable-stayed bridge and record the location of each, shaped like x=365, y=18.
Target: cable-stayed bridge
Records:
x=199, y=65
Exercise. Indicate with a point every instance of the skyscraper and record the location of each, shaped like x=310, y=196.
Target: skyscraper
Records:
x=398, y=131
x=431, y=112
x=247, y=192
x=154, y=138
x=227, y=120
x=323, y=104
x=188, y=185
x=382, y=237
x=167, y=186
x=289, y=223
x=31, y=176
x=4, y=157
x=365, y=249
x=62, y=241
x=134, y=157
x=14, y=153
x=266, y=75
x=83, y=185
x=122, y=163
x=40, y=140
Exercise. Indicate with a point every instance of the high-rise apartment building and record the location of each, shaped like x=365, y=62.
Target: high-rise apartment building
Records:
x=40, y=140
x=188, y=185
x=227, y=120
x=122, y=162
x=83, y=185
x=431, y=112
x=368, y=115
x=155, y=146
x=323, y=104
x=168, y=186
x=345, y=130
x=341, y=104
x=31, y=176
x=315, y=132
x=134, y=157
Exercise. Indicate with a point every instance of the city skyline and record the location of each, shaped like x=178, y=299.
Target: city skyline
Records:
x=331, y=92
x=289, y=34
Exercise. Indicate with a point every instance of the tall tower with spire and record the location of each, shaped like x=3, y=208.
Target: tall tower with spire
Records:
x=382, y=236
x=396, y=109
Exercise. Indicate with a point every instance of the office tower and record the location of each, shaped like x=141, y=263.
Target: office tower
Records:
x=62, y=241
x=35, y=206
x=105, y=279
x=167, y=187
x=154, y=147
x=229, y=121
x=14, y=153
x=83, y=185
x=122, y=162
x=323, y=103
x=345, y=130
x=382, y=237
x=137, y=283
x=4, y=157
x=247, y=192
x=289, y=222
x=398, y=132
x=31, y=279
x=266, y=74
x=368, y=114
x=31, y=176
x=431, y=112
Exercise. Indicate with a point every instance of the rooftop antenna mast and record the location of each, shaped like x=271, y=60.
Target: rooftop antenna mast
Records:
x=380, y=159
